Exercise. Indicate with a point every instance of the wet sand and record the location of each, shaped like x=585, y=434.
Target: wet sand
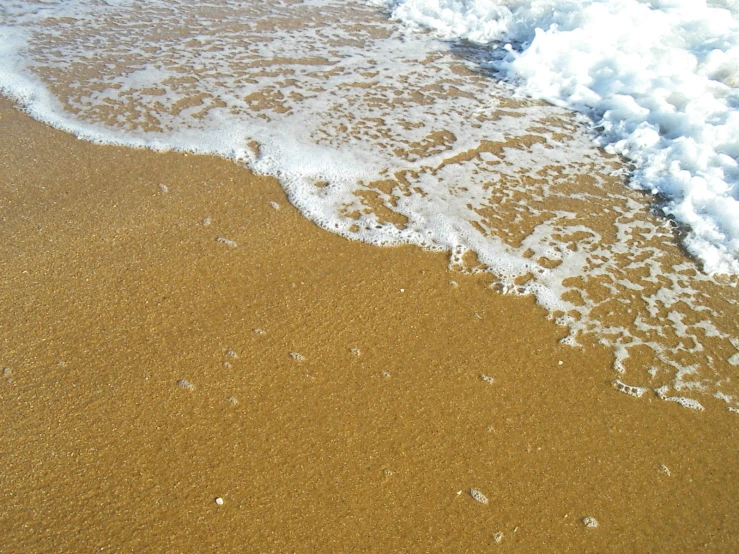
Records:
x=149, y=372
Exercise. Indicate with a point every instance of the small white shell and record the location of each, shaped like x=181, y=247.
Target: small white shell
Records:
x=227, y=242
x=187, y=385
x=478, y=496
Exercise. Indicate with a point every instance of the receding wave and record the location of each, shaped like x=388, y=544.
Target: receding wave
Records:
x=392, y=138
x=660, y=79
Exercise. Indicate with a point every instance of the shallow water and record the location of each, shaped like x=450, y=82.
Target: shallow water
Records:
x=393, y=138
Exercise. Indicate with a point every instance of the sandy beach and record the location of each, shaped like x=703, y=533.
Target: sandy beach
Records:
x=173, y=332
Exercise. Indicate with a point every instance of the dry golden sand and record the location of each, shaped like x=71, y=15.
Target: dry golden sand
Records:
x=113, y=290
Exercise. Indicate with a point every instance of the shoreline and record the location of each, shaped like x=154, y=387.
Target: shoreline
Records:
x=114, y=291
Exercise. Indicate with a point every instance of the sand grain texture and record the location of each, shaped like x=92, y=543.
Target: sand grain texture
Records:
x=113, y=291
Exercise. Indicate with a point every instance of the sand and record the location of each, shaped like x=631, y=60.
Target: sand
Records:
x=149, y=373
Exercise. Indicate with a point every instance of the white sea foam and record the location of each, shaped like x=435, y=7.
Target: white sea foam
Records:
x=681, y=400
x=636, y=392
x=660, y=78
x=396, y=138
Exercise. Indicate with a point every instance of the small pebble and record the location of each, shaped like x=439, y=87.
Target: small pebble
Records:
x=163, y=188
x=260, y=331
x=297, y=356
x=227, y=242
x=275, y=205
x=219, y=501
x=590, y=522
x=478, y=496
x=187, y=385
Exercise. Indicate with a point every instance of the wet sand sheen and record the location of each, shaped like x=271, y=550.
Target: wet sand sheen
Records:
x=114, y=289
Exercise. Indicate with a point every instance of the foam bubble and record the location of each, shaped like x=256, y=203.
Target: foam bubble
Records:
x=683, y=401
x=636, y=392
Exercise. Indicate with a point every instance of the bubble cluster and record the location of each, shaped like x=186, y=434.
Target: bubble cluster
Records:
x=636, y=392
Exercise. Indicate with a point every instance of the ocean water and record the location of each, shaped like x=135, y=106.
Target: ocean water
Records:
x=580, y=151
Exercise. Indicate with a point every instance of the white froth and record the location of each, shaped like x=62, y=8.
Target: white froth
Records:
x=659, y=78
x=683, y=401
x=636, y=392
